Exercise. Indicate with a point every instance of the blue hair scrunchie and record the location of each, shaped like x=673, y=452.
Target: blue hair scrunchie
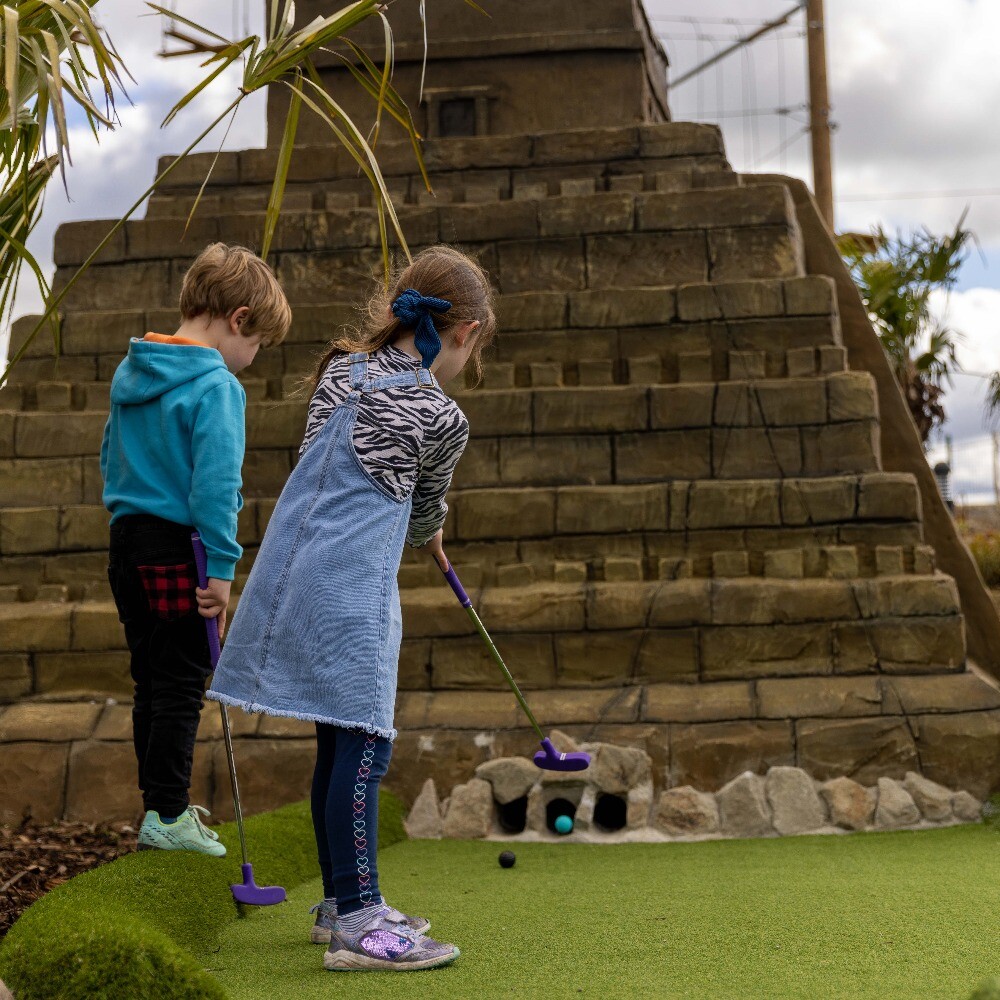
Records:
x=414, y=310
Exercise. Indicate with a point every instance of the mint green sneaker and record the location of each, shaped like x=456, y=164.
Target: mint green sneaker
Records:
x=188, y=833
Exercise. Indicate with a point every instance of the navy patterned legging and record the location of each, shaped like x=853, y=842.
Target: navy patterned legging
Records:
x=349, y=768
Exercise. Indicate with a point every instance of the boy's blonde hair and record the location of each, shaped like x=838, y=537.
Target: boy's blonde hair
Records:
x=223, y=278
x=439, y=271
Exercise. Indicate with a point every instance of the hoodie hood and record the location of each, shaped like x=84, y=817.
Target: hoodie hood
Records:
x=152, y=368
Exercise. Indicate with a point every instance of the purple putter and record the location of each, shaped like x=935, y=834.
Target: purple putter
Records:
x=248, y=891
x=548, y=758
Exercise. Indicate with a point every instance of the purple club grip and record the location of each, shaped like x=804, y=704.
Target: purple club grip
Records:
x=452, y=577
x=211, y=624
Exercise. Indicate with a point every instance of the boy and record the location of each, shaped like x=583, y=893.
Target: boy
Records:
x=171, y=461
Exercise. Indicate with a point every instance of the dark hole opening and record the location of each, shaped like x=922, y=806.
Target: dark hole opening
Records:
x=457, y=117
x=557, y=808
x=513, y=816
x=610, y=813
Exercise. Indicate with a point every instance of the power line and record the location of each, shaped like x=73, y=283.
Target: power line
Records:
x=908, y=195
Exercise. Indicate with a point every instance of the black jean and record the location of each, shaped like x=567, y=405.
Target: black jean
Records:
x=152, y=575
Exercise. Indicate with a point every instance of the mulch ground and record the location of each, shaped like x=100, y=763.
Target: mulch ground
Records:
x=35, y=859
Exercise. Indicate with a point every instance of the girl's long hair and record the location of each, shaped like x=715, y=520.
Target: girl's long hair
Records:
x=439, y=271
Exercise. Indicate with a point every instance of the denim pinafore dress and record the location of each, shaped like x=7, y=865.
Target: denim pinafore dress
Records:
x=317, y=630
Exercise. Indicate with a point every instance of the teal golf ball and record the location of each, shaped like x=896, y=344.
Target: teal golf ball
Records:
x=563, y=824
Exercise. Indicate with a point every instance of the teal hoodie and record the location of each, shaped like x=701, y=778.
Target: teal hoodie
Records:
x=173, y=444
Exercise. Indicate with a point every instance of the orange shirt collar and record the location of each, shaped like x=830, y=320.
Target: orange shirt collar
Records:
x=161, y=338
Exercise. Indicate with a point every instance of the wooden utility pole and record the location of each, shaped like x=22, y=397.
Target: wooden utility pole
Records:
x=819, y=110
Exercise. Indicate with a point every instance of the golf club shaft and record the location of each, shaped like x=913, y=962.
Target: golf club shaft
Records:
x=228, y=736
x=503, y=666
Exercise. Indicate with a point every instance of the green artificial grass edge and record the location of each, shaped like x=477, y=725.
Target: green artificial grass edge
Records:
x=137, y=926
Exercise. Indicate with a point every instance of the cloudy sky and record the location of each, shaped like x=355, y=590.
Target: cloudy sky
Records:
x=911, y=83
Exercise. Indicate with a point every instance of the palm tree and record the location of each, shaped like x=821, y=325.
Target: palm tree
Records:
x=54, y=52
x=896, y=277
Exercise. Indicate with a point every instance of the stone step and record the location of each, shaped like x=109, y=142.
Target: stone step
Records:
x=819, y=404
x=585, y=634
x=685, y=308
x=574, y=213
x=50, y=751
x=675, y=147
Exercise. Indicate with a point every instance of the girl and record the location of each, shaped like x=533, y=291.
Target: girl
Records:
x=317, y=632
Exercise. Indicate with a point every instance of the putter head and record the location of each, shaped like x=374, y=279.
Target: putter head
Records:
x=549, y=759
x=256, y=895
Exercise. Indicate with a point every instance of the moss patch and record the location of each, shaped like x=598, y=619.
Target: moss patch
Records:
x=141, y=925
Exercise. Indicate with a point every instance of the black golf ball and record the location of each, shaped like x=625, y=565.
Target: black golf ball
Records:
x=507, y=859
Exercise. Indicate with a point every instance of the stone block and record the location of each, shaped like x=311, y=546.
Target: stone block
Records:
x=577, y=187
x=746, y=453
x=553, y=265
x=673, y=568
x=961, y=750
x=818, y=501
x=944, y=693
x=467, y=663
x=595, y=371
x=840, y=562
x=846, y=447
x=104, y=671
x=832, y=359
x=910, y=596
x=684, y=811
x=680, y=604
x=716, y=208
x=645, y=259
x=541, y=606
x=622, y=307
x=889, y=496
x=800, y=362
x=896, y=807
x=813, y=295
x=747, y=651
x=747, y=364
x=731, y=564
x=565, y=707
x=694, y=366
x=733, y=503
x=639, y=806
x=743, y=807
x=755, y=252
x=862, y=749
x=449, y=757
x=57, y=396
x=674, y=406
x=615, y=770
x=765, y=602
x=15, y=676
x=53, y=722
x=569, y=572
x=707, y=755
x=698, y=302
x=703, y=702
x=611, y=509
x=543, y=461
x=101, y=785
x=29, y=530
x=679, y=139
x=501, y=220
x=851, y=806
x=492, y=412
x=506, y=513
x=424, y=820
x=619, y=569
x=795, y=697
x=32, y=779
x=784, y=564
x=534, y=311
x=592, y=410
x=933, y=800
x=515, y=575
x=852, y=396
x=272, y=773
x=659, y=455
x=604, y=212
x=83, y=527
x=889, y=560
x=546, y=373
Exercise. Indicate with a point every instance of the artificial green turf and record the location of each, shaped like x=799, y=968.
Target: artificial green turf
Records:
x=873, y=916
x=139, y=926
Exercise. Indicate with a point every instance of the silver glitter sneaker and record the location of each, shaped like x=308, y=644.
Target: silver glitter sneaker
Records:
x=326, y=914
x=387, y=946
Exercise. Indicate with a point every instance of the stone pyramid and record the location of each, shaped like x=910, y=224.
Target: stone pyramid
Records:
x=693, y=511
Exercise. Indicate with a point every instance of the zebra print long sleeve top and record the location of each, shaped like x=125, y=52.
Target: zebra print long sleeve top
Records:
x=409, y=440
